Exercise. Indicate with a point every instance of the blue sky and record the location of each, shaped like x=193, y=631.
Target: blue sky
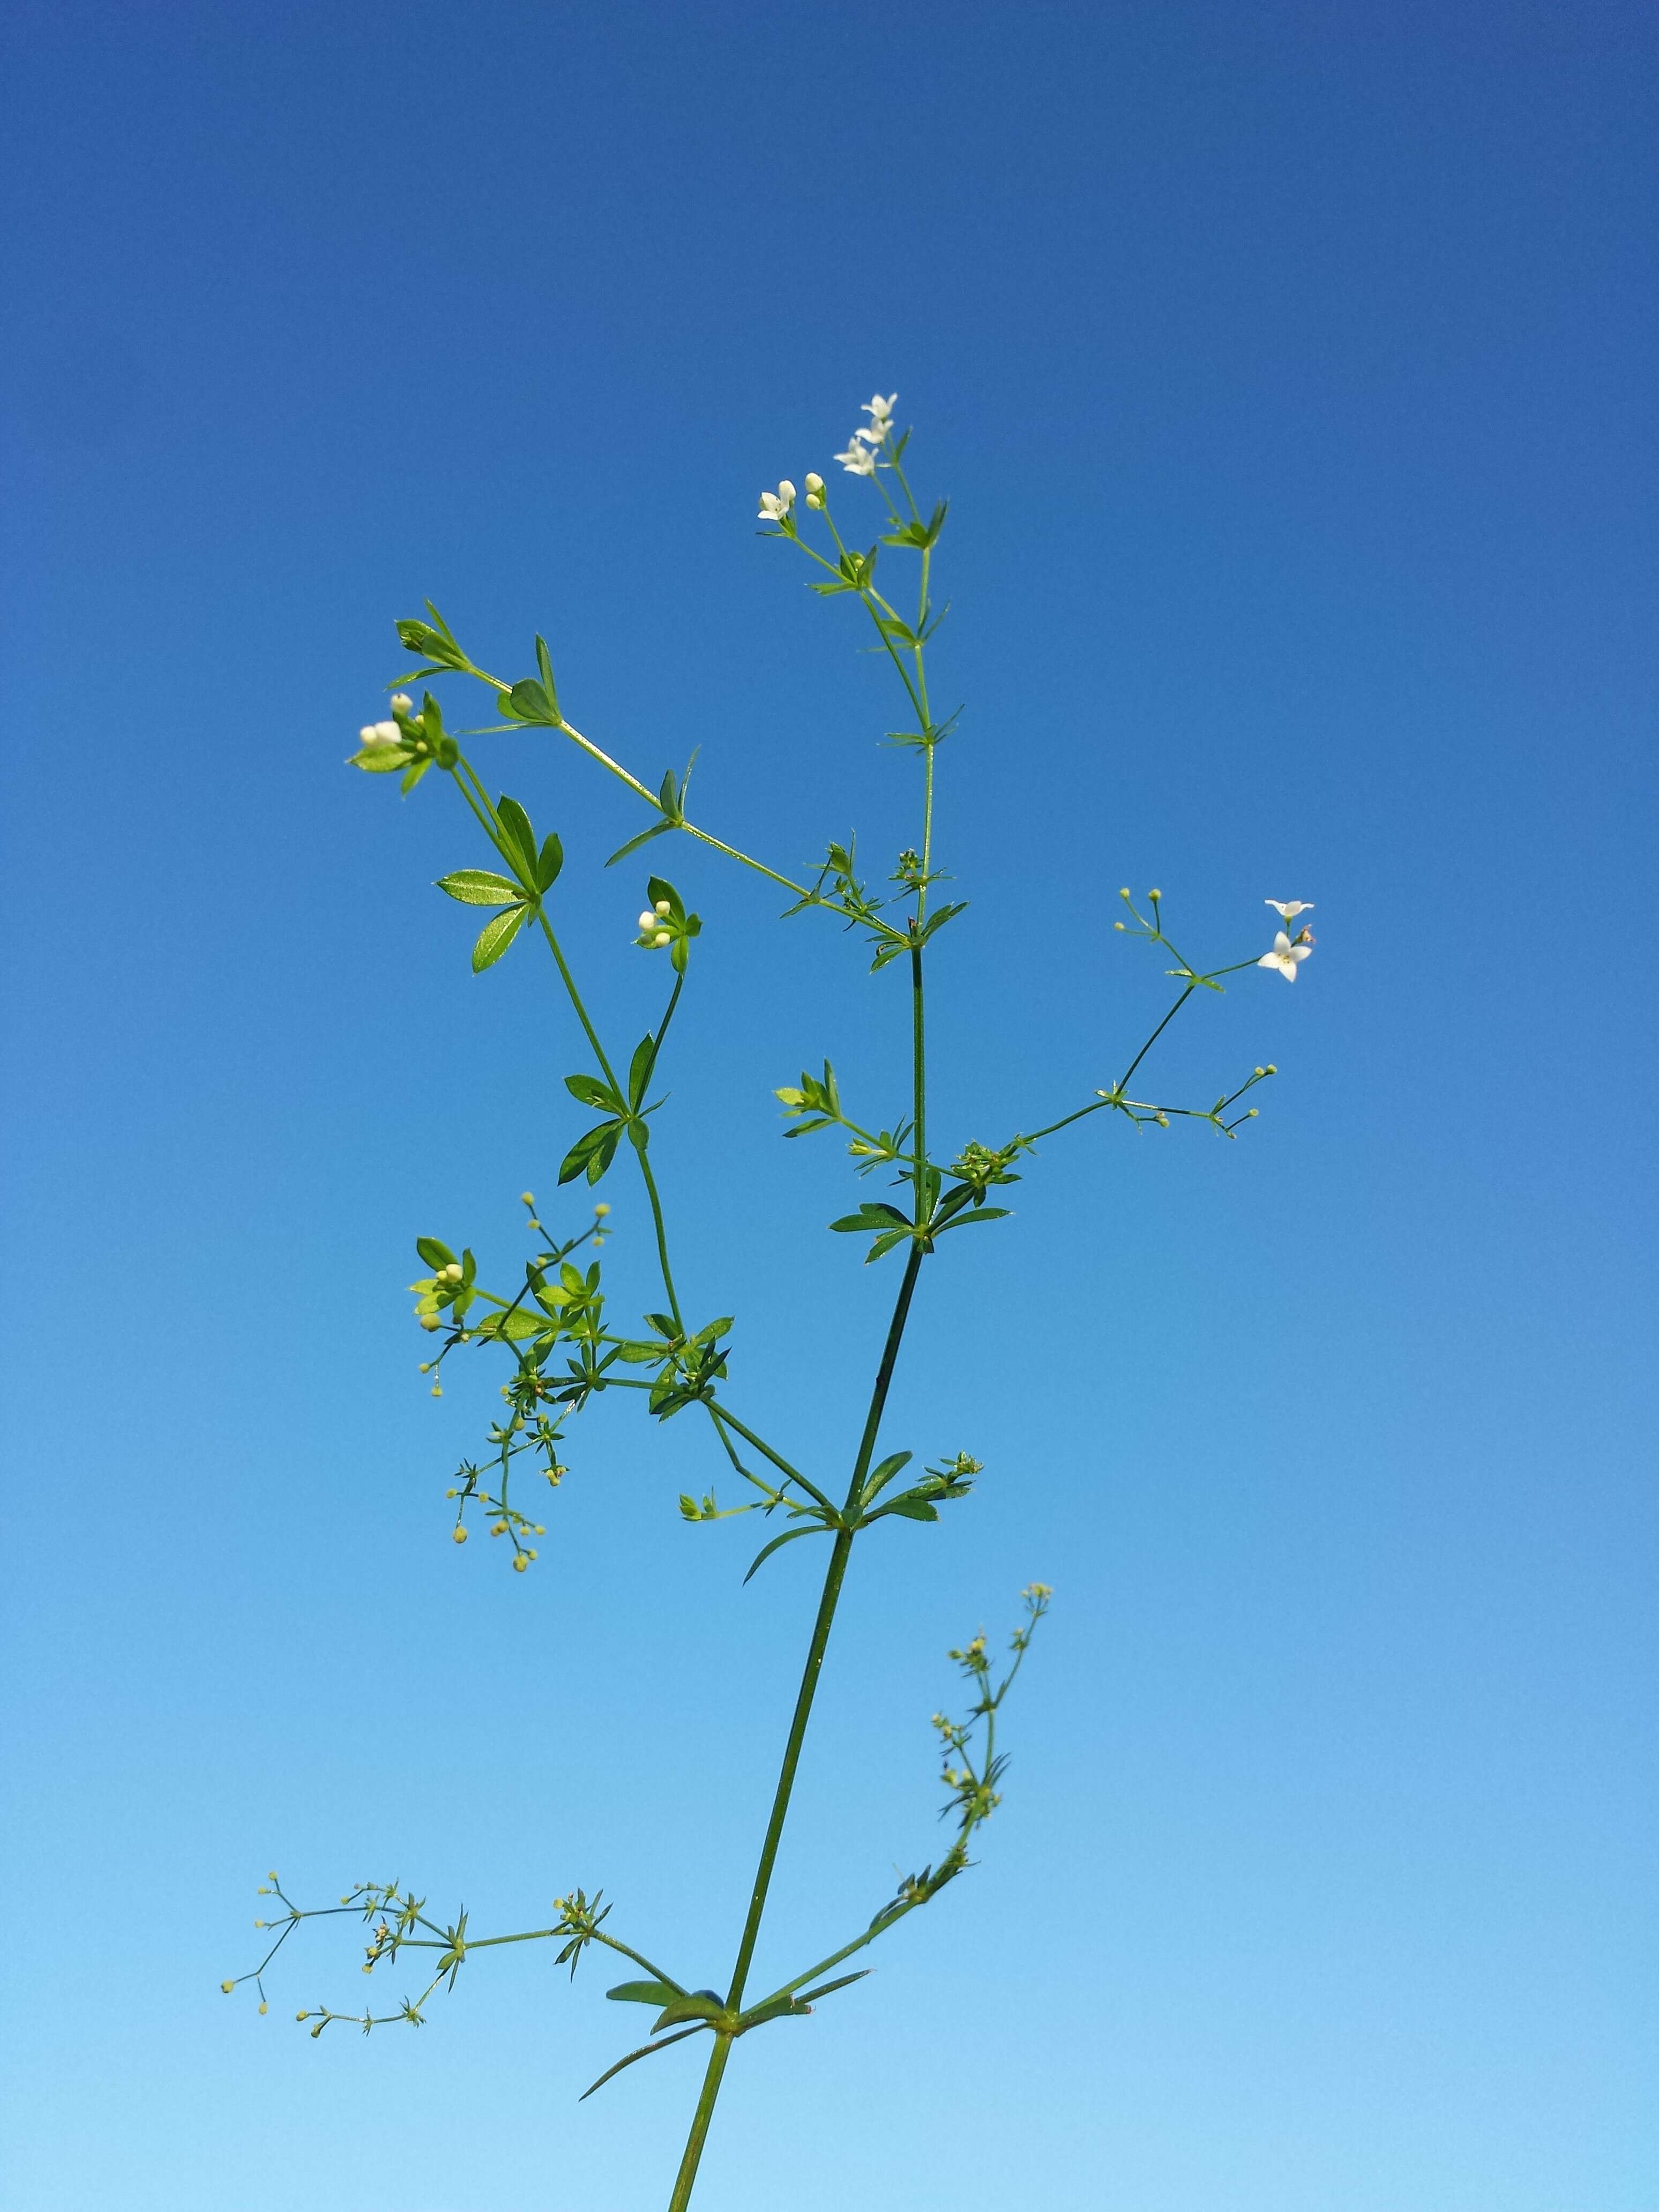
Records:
x=1290, y=371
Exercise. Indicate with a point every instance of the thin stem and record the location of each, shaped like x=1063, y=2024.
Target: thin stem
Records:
x=687, y=2176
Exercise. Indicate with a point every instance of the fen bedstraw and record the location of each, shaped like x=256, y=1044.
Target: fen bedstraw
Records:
x=563, y=1349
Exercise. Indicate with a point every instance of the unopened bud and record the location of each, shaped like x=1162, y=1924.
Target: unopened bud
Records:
x=602, y=1208
x=814, y=481
x=520, y=1562
x=460, y=1534
x=663, y=906
x=401, y=702
x=227, y=1987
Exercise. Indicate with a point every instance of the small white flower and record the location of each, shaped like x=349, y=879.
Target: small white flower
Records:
x=774, y=505
x=401, y=702
x=880, y=412
x=379, y=733
x=1289, y=909
x=648, y=921
x=1284, y=956
x=858, y=460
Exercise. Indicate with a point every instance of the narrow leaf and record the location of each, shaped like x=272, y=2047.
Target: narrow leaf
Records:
x=657, y=829
x=520, y=836
x=645, y=2051
x=495, y=936
x=651, y=1993
x=478, y=887
x=787, y=1537
x=549, y=862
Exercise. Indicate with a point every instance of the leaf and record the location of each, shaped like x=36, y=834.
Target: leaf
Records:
x=586, y=1148
x=976, y=1213
x=639, y=1069
x=478, y=887
x=911, y=1507
x=548, y=861
x=531, y=704
x=651, y=1993
x=520, y=836
x=515, y=1324
x=605, y=1152
x=823, y=1989
x=645, y=2051
x=882, y=1476
x=699, y=2004
x=435, y=1254
x=873, y=1214
x=657, y=829
x=380, y=760
x=495, y=936
x=544, y=662
x=591, y=1092
x=884, y=1245
x=657, y=888
x=787, y=1537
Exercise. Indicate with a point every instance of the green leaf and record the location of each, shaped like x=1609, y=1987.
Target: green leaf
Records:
x=645, y=2051
x=548, y=861
x=639, y=1069
x=787, y=1537
x=651, y=1993
x=912, y=1508
x=435, y=1254
x=599, y=1144
x=657, y=888
x=520, y=836
x=530, y=703
x=823, y=1989
x=544, y=662
x=976, y=1213
x=478, y=887
x=884, y=1245
x=513, y=1325
x=380, y=760
x=700, y=2004
x=495, y=936
x=657, y=829
x=591, y=1092
x=873, y=1214
x=882, y=1476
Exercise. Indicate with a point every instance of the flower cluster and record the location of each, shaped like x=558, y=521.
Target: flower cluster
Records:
x=1288, y=952
x=863, y=446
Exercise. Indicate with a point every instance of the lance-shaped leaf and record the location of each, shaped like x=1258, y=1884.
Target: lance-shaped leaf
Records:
x=787, y=1537
x=435, y=1254
x=694, y=2004
x=495, y=936
x=591, y=1153
x=591, y=1092
x=787, y=2006
x=645, y=2051
x=871, y=1215
x=881, y=1476
x=548, y=861
x=651, y=1993
x=975, y=1213
x=520, y=837
x=478, y=887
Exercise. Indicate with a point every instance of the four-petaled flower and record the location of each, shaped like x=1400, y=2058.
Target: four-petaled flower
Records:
x=774, y=505
x=1285, y=955
x=1288, y=909
x=880, y=412
x=858, y=460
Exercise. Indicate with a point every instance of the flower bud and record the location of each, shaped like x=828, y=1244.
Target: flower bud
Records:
x=401, y=702
x=647, y=920
x=663, y=906
x=785, y=489
x=662, y=937
x=227, y=1987
x=460, y=1534
x=521, y=1562
x=602, y=1208
x=814, y=483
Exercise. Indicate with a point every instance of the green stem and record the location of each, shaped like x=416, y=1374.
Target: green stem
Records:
x=827, y=1604
x=686, y=2178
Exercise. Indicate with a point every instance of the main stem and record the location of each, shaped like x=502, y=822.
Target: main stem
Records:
x=827, y=1602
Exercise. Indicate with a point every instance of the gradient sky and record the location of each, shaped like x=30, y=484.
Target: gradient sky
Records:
x=1289, y=369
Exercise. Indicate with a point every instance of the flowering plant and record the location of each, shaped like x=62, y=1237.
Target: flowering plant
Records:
x=562, y=1350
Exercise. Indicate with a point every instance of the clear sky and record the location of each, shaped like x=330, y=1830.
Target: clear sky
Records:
x=1291, y=371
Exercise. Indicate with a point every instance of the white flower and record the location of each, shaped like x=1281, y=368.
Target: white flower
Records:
x=880, y=412
x=379, y=733
x=774, y=505
x=858, y=460
x=1284, y=955
x=401, y=702
x=1289, y=909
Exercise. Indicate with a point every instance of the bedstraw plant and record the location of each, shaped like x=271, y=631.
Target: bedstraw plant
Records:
x=562, y=1349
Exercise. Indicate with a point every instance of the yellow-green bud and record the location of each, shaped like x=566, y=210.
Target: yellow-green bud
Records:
x=227, y=1987
x=602, y=1209
x=521, y=1561
x=460, y=1535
